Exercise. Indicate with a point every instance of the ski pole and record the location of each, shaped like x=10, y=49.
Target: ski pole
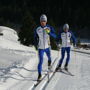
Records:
x=59, y=47
x=75, y=53
x=58, y=52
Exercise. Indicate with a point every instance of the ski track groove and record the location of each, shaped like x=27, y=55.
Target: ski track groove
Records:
x=33, y=88
x=69, y=87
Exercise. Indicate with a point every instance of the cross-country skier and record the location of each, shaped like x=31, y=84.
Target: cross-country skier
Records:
x=42, y=41
x=65, y=35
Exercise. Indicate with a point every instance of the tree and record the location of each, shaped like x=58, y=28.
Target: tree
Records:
x=27, y=30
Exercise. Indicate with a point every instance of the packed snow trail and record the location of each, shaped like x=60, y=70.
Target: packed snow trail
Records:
x=28, y=77
x=22, y=77
x=79, y=66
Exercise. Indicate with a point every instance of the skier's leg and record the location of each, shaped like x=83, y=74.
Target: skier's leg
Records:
x=48, y=53
x=68, y=57
x=41, y=52
x=62, y=57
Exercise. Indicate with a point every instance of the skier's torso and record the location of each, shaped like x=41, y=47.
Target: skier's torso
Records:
x=44, y=38
x=65, y=37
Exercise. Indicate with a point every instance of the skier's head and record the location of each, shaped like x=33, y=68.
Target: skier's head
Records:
x=66, y=27
x=43, y=20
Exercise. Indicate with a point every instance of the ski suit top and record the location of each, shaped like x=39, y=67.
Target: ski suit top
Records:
x=42, y=38
x=66, y=38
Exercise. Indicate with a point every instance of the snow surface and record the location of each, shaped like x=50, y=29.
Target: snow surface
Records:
x=18, y=66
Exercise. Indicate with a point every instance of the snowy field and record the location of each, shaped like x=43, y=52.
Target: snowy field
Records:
x=18, y=67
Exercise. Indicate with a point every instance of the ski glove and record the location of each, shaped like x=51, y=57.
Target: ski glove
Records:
x=47, y=30
x=74, y=45
x=36, y=47
x=58, y=46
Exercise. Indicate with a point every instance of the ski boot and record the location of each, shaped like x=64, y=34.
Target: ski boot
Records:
x=39, y=77
x=58, y=68
x=66, y=68
x=49, y=64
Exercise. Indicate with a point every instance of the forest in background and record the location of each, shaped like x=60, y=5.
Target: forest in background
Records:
x=23, y=16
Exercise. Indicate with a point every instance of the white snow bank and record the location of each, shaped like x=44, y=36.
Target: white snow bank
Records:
x=9, y=40
x=9, y=34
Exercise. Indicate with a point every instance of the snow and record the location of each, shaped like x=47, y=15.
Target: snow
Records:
x=18, y=66
x=85, y=41
x=87, y=51
x=80, y=81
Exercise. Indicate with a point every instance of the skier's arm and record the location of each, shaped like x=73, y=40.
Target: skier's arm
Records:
x=58, y=37
x=52, y=33
x=73, y=38
x=36, y=39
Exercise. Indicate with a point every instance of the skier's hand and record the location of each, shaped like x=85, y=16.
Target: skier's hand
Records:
x=47, y=30
x=74, y=45
x=36, y=47
x=58, y=46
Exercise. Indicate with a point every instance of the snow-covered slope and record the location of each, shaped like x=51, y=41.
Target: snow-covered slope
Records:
x=9, y=44
x=9, y=37
x=9, y=40
x=9, y=34
x=12, y=55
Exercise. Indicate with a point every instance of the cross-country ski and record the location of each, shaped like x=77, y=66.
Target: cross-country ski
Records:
x=67, y=72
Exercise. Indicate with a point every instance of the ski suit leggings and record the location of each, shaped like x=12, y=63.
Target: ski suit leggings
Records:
x=41, y=53
x=63, y=49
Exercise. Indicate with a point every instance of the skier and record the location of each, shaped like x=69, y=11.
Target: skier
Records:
x=42, y=41
x=65, y=35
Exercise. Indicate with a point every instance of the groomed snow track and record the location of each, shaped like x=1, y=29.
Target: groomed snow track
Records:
x=44, y=83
